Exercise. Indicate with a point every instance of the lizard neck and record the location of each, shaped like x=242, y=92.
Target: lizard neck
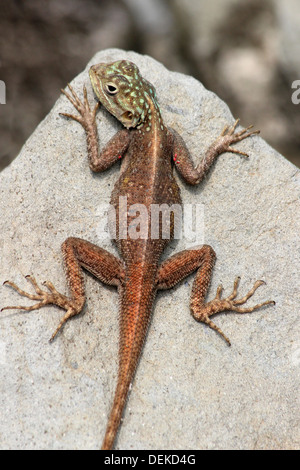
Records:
x=152, y=120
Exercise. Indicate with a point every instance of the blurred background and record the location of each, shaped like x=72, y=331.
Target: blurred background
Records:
x=247, y=52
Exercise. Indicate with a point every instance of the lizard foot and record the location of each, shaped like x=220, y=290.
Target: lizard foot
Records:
x=53, y=297
x=86, y=116
x=218, y=305
x=229, y=136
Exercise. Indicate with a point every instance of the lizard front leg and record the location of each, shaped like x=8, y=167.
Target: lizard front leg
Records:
x=184, y=163
x=77, y=254
x=184, y=263
x=113, y=150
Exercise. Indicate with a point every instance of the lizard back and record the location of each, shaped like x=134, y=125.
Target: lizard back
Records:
x=146, y=182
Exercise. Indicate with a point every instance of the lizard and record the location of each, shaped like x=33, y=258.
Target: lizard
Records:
x=149, y=151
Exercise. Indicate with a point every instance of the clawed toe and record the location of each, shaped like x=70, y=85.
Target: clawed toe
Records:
x=233, y=303
x=230, y=303
x=236, y=302
x=229, y=136
x=50, y=297
x=37, y=296
x=73, y=98
x=86, y=115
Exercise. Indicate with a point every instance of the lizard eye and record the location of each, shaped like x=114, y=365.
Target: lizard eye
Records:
x=111, y=89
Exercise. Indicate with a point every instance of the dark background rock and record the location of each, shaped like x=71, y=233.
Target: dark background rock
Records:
x=246, y=52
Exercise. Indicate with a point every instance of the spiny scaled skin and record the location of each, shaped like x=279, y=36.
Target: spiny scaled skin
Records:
x=148, y=150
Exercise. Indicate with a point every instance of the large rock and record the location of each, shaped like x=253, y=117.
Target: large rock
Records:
x=191, y=390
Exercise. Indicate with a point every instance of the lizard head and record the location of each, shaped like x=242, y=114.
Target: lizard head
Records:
x=122, y=90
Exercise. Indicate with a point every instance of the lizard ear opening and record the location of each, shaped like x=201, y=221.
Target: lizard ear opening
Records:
x=127, y=118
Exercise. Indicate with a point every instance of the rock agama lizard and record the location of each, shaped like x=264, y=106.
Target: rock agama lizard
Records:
x=149, y=150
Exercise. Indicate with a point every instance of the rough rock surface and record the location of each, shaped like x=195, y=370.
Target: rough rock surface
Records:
x=191, y=390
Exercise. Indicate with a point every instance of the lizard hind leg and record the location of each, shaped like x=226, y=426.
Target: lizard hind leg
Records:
x=50, y=297
x=203, y=311
x=184, y=263
x=77, y=254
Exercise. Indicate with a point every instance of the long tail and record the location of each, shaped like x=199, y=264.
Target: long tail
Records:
x=116, y=412
x=136, y=305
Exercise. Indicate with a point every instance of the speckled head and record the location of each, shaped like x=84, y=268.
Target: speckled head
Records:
x=122, y=90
